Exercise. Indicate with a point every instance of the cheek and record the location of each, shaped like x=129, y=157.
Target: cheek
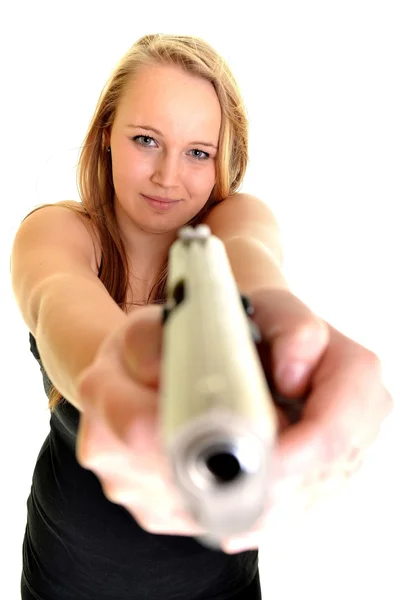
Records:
x=201, y=181
x=128, y=169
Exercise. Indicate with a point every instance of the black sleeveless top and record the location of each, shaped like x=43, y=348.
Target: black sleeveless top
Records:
x=80, y=546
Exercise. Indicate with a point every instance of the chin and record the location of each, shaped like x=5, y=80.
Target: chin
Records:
x=164, y=223
x=151, y=226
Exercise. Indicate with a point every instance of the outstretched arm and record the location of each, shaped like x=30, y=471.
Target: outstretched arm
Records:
x=250, y=233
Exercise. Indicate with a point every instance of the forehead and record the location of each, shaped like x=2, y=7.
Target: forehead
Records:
x=171, y=100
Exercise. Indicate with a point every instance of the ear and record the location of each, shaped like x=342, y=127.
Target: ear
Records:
x=106, y=139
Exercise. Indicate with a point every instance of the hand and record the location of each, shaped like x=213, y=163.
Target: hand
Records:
x=346, y=403
x=118, y=437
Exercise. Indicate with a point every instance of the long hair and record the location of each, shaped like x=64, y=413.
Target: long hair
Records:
x=94, y=174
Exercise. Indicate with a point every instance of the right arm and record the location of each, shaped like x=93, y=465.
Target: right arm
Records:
x=61, y=299
x=75, y=320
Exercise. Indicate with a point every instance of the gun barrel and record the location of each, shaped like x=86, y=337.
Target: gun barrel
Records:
x=218, y=420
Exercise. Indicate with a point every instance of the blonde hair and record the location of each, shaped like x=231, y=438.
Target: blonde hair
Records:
x=94, y=175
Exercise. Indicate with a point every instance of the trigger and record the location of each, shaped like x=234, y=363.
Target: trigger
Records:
x=249, y=310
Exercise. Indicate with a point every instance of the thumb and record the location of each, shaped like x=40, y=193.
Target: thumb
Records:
x=296, y=338
x=142, y=345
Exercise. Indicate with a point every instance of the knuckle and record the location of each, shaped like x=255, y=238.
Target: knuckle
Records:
x=83, y=449
x=308, y=331
x=89, y=451
x=83, y=456
x=334, y=443
x=371, y=361
x=86, y=454
x=125, y=494
x=89, y=383
x=152, y=527
x=143, y=519
x=388, y=403
x=111, y=491
x=386, y=407
x=155, y=520
x=97, y=377
x=312, y=325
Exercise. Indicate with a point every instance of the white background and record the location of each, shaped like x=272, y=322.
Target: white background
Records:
x=321, y=85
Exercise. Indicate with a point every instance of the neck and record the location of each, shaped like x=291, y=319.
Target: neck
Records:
x=147, y=252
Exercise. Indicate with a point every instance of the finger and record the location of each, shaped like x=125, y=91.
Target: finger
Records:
x=142, y=346
x=335, y=418
x=325, y=486
x=242, y=543
x=95, y=445
x=176, y=523
x=283, y=419
x=294, y=338
x=150, y=493
x=387, y=404
x=124, y=407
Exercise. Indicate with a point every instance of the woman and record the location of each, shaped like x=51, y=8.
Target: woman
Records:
x=167, y=146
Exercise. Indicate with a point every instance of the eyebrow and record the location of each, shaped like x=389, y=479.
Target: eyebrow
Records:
x=148, y=128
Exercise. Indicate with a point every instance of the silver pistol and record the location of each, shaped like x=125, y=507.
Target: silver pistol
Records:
x=218, y=419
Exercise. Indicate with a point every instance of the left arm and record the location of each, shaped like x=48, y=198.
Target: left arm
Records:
x=250, y=233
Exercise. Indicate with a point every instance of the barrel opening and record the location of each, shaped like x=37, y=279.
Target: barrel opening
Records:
x=224, y=466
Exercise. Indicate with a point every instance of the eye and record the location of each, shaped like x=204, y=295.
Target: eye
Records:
x=144, y=138
x=204, y=156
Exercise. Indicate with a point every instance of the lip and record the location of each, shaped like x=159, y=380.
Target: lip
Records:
x=162, y=203
x=161, y=199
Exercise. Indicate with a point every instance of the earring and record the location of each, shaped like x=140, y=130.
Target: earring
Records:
x=109, y=149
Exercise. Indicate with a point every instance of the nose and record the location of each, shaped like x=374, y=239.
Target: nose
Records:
x=166, y=171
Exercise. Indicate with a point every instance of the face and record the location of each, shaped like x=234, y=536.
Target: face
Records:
x=164, y=143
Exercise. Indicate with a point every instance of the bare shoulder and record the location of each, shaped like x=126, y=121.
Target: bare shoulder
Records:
x=240, y=213
x=84, y=217
x=44, y=222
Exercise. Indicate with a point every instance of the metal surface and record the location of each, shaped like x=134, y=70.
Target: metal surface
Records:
x=218, y=420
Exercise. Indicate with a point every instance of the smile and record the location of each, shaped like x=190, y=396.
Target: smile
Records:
x=160, y=205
